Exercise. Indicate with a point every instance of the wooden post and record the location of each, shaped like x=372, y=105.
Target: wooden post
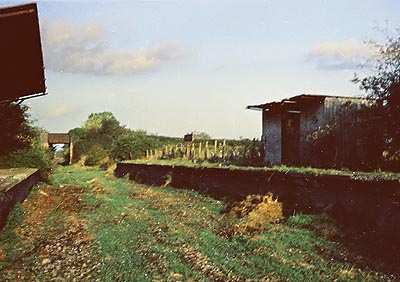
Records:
x=71, y=152
x=164, y=152
x=215, y=147
x=206, y=153
x=192, y=151
x=223, y=148
x=199, y=150
x=182, y=154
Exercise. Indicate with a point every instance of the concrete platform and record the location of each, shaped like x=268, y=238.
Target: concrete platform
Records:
x=15, y=185
x=9, y=177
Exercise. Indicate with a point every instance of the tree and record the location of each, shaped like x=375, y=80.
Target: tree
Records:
x=384, y=85
x=15, y=130
x=201, y=136
x=102, y=128
x=101, y=121
x=132, y=145
x=20, y=142
x=98, y=133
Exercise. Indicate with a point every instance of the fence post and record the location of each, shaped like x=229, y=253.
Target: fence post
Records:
x=199, y=150
x=223, y=148
x=192, y=151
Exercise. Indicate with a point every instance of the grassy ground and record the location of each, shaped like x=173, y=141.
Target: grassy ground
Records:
x=86, y=225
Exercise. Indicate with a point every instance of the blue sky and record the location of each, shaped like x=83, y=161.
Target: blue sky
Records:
x=175, y=66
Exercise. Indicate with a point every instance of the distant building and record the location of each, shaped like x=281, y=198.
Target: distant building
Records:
x=288, y=125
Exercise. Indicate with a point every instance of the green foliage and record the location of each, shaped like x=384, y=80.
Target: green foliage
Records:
x=15, y=130
x=34, y=156
x=104, y=121
x=102, y=136
x=201, y=136
x=94, y=139
x=20, y=143
x=132, y=145
x=8, y=236
x=386, y=67
x=95, y=155
x=384, y=85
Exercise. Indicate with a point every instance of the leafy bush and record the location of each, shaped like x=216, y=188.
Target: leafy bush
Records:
x=15, y=130
x=35, y=156
x=132, y=145
x=20, y=143
x=95, y=156
x=103, y=137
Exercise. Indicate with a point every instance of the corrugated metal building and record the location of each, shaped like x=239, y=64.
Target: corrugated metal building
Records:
x=288, y=125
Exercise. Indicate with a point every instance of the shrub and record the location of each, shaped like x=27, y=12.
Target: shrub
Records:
x=35, y=156
x=95, y=155
x=256, y=212
x=132, y=145
x=15, y=129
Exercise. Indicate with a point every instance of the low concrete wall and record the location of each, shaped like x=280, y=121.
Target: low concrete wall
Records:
x=16, y=193
x=371, y=207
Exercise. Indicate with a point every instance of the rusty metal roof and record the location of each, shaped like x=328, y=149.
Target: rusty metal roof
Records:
x=299, y=99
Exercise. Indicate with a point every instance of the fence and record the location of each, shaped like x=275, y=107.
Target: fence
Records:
x=243, y=151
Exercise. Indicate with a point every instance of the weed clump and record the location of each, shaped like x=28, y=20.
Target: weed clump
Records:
x=253, y=214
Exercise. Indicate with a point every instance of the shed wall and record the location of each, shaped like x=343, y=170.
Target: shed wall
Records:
x=331, y=111
x=272, y=137
x=311, y=119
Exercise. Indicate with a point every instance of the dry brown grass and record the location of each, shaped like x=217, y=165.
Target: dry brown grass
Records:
x=255, y=214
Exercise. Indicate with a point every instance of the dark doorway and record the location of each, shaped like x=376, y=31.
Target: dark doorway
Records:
x=291, y=138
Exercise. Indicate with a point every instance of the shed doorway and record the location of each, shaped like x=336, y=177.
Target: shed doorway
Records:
x=291, y=138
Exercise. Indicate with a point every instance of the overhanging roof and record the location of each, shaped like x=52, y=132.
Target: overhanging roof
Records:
x=303, y=99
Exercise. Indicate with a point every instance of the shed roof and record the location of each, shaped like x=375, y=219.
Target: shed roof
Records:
x=303, y=100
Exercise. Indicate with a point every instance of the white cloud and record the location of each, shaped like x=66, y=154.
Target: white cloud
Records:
x=82, y=49
x=347, y=54
x=60, y=110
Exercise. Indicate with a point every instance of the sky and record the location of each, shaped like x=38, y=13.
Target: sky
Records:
x=171, y=67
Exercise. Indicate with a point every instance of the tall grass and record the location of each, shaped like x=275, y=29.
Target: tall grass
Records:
x=163, y=234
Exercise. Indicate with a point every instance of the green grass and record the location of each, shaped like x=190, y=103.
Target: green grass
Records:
x=146, y=233
x=163, y=234
x=8, y=235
